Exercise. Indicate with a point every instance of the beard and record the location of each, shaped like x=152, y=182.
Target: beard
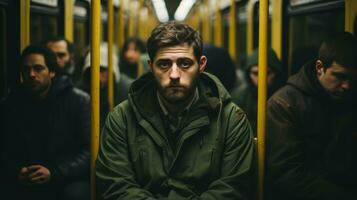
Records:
x=176, y=93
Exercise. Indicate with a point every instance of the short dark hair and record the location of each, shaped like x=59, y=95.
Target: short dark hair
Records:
x=139, y=45
x=340, y=48
x=50, y=57
x=70, y=46
x=174, y=33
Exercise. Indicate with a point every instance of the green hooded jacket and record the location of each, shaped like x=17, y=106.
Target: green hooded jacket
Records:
x=213, y=155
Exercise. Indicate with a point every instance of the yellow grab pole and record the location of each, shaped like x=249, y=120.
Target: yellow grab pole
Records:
x=68, y=20
x=121, y=37
x=232, y=30
x=250, y=27
x=218, y=26
x=110, y=54
x=205, y=16
x=140, y=66
x=277, y=20
x=131, y=19
x=95, y=63
x=24, y=24
x=262, y=92
x=138, y=24
x=350, y=14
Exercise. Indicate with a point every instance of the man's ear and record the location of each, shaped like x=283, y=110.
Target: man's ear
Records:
x=202, y=63
x=319, y=67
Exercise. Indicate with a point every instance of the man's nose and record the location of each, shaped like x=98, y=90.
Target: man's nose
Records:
x=175, y=72
x=345, y=85
x=32, y=73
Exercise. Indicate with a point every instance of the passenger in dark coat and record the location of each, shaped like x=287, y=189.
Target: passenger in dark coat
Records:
x=312, y=128
x=246, y=95
x=45, y=151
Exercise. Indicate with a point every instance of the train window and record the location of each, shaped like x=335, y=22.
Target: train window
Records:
x=3, y=31
x=42, y=27
x=104, y=25
x=309, y=30
x=81, y=26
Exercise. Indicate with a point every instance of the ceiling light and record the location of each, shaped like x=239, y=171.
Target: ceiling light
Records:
x=183, y=9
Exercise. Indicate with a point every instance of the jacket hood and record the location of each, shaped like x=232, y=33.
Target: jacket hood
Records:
x=142, y=94
x=273, y=62
x=306, y=81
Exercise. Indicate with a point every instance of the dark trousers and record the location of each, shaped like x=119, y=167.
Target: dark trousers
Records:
x=73, y=191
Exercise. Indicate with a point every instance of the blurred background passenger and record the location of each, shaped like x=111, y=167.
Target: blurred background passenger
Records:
x=121, y=81
x=246, y=95
x=64, y=51
x=221, y=65
x=131, y=62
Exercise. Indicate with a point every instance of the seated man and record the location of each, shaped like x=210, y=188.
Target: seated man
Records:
x=64, y=51
x=312, y=128
x=246, y=95
x=45, y=146
x=178, y=136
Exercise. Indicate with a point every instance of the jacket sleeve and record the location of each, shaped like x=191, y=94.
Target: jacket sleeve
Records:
x=76, y=166
x=237, y=178
x=286, y=169
x=115, y=178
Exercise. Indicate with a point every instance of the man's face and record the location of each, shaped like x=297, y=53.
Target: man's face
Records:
x=176, y=70
x=253, y=74
x=35, y=73
x=61, y=50
x=132, y=55
x=337, y=80
x=103, y=77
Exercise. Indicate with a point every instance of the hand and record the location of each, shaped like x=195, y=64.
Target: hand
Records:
x=23, y=176
x=38, y=174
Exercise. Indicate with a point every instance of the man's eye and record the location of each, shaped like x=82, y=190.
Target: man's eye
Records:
x=163, y=65
x=38, y=67
x=341, y=77
x=60, y=55
x=185, y=64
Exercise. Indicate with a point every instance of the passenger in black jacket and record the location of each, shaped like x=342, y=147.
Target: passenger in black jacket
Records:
x=312, y=128
x=45, y=144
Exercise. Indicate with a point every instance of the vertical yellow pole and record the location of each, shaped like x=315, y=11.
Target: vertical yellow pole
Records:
x=138, y=14
x=140, y=70
x=68, y=20
x=232, y=30
x=110, y=54
x=121, y=38
x=24, y=23
x=218, y=26
x=277, y=20
x=350, y=14
x=205, y=15
x=250, y=27
x=262, y=92
x=132, y=19
x=95, y=63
